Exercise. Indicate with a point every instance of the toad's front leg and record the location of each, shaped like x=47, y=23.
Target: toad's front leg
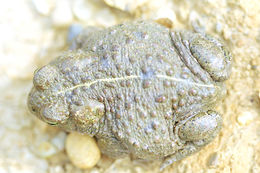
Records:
x=197, y=132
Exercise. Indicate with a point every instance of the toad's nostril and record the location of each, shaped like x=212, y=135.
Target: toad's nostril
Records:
x=33, y=109
x=44, y=77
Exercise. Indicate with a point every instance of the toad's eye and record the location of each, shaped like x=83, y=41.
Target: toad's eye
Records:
x=52, y=124
x=54, y=114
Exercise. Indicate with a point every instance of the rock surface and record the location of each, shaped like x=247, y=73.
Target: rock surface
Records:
x=30, y=38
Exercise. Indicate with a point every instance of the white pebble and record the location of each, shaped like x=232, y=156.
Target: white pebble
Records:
x=126, y=5
x=213, y=160
x=166, y=12
x=246, y=117
x=83, y=10
x=62, y=15
x=219, y=27
x=183, y=13
x=56, y=169
x=46, y=149
x=82, y=150
x=105, y=21
x=59, y=141
x=43, y=7
x=227, y=33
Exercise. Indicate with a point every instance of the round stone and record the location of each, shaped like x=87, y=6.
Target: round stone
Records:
x=82, y=150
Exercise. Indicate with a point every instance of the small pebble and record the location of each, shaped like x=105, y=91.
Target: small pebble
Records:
x=246, y=117
x=46, y=149
x=82, y=150
x=166, y=15
x=83, y=10
x=165, y=22
x=213, y=160
x=59, y=140
x=219, y=27
x=62, y=15
x=43, y=7
x=182, y=13
x=227, y=34
x=126, y=5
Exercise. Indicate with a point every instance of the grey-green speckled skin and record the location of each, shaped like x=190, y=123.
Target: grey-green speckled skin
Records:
x=139, y=88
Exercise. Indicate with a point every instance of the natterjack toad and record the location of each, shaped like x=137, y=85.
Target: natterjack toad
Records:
x=140, y=88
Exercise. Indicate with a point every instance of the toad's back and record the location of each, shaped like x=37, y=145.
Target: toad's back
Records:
x=144, y=84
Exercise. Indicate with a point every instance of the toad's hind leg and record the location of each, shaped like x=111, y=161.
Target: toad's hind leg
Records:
x=112, y=147
x=196, y=133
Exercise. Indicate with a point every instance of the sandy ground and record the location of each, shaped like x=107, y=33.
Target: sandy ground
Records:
x=32, y=32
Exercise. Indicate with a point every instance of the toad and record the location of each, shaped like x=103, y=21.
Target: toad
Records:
x=141, y=89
